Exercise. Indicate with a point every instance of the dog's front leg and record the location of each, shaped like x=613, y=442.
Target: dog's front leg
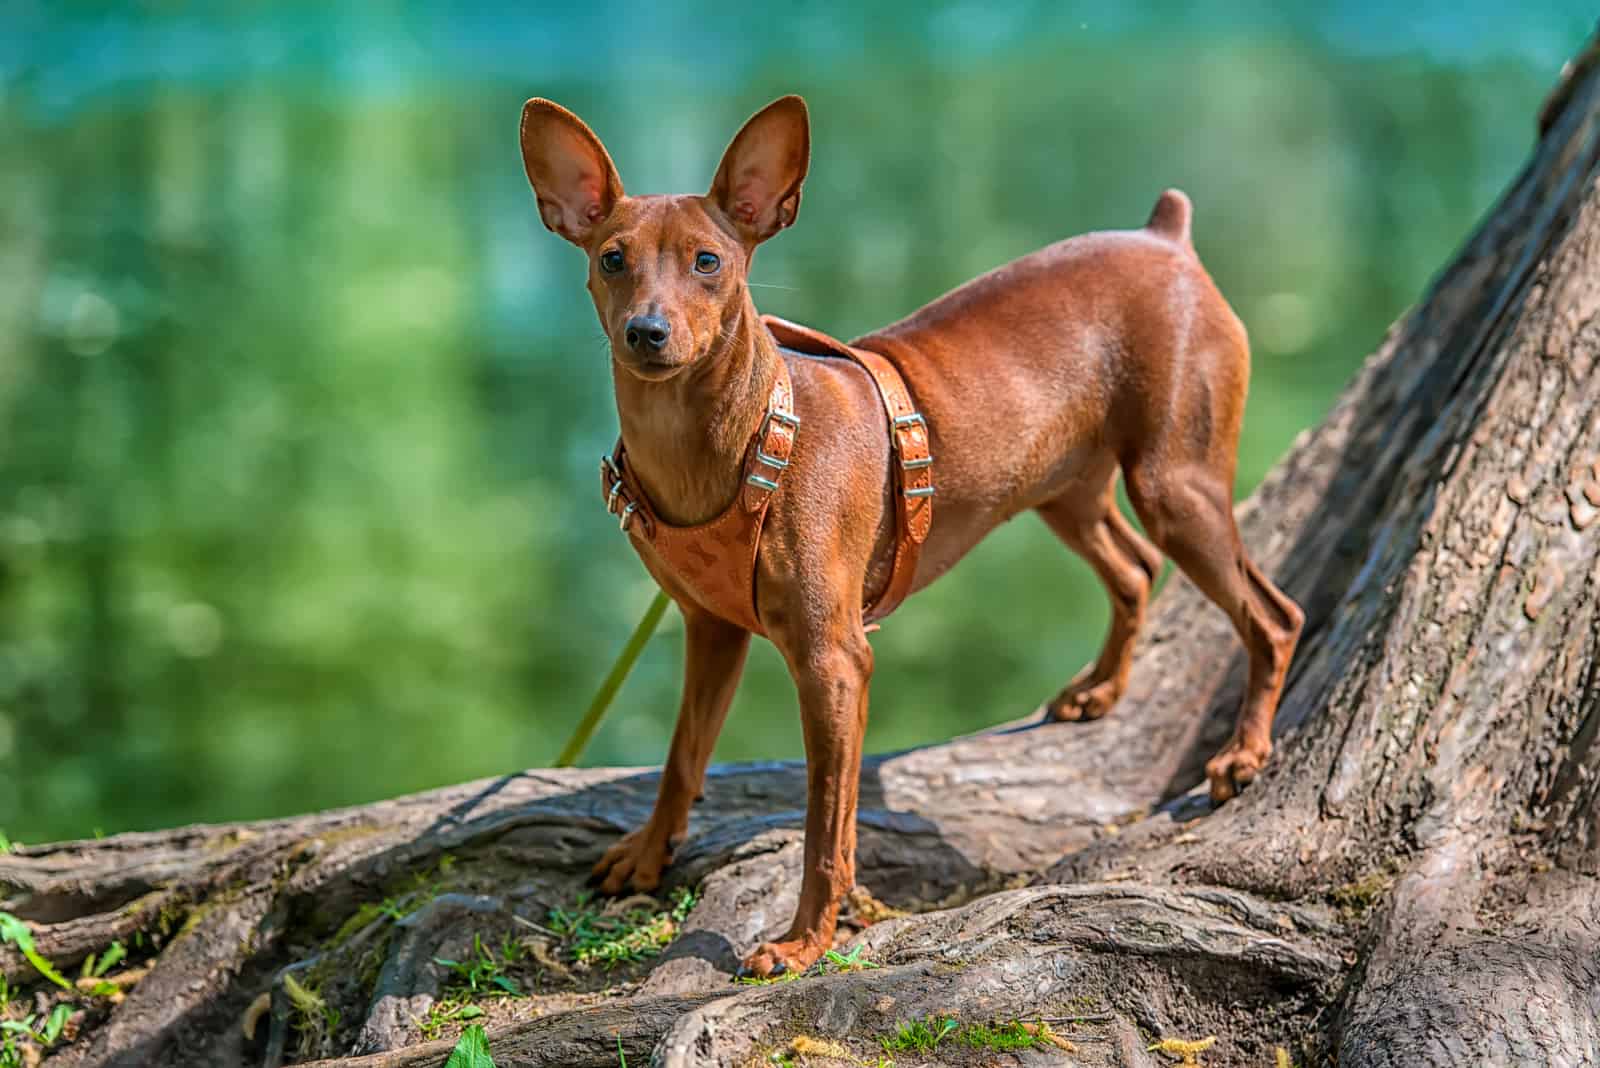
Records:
x=714, y=654
x=831, y=670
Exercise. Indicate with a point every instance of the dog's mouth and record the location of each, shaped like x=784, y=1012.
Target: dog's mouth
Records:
x=653, y=366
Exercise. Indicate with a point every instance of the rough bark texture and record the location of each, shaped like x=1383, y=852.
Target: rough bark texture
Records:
x=1414, y=880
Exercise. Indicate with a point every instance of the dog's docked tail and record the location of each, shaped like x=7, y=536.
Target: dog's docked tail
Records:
x=1170, y=217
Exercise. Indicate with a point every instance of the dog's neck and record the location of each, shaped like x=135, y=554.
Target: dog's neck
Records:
x=686, y=437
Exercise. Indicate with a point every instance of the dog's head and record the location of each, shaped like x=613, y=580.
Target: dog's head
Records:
x=667, y=273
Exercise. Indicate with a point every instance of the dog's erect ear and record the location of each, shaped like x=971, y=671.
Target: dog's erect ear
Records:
x=758, y=184
x=569, y=169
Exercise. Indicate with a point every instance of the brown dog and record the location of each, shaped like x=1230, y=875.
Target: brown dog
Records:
x=1038, y=381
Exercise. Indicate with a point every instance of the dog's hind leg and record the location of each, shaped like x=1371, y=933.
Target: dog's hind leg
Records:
x=1127, y=565
x=1180, y=479
x=1188, y=510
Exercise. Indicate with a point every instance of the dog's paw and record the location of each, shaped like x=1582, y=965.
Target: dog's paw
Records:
x=772, y=959
x=636, y=861
x=1233, y=769
x=1083, y=701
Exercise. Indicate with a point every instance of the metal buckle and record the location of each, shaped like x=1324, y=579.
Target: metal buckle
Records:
x=627, y=514
x=902, y=422
x=774, y=415
x=611, y=498
x=925, y=491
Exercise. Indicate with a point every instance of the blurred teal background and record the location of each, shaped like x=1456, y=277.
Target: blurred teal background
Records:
x=300, y=405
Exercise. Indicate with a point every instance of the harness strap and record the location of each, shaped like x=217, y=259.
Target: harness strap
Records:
x=911, y=477
x=911, y=459
x=772, y=445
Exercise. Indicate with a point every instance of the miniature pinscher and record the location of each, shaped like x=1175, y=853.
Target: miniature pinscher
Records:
x=1033, y=385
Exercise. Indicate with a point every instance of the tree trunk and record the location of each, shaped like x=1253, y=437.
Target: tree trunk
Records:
x=1415, y=879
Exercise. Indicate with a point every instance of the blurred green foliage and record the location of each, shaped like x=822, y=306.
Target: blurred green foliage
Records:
x=300, y=405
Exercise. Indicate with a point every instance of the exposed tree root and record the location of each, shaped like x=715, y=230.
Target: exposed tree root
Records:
x=1196, y=960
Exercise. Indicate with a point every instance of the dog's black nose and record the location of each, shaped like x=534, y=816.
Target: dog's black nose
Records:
x=648, y=333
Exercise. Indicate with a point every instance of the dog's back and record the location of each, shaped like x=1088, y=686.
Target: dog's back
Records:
x=1075, y=356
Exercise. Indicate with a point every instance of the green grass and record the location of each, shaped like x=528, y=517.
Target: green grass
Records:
x=312, y=1017
x=96, y=965
x=593, y=939
x=22, y=1037
x=768, y=980
x=832, y=962
x=1012, y=1036
x=919, y=1036
x=17, y=1033
x=484, y=972
x=924, y=1036
x=30, y=1028
x=482, y=975
x=443, y=1013
x=20, y=935
x=419, y=889
x=587, y=936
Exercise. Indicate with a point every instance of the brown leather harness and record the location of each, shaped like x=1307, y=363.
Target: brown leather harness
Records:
x=716, y=560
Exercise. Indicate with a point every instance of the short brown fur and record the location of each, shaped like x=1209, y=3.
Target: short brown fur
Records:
x=1040, y=381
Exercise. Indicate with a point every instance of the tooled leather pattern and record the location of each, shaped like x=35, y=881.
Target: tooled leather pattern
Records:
x=715, y=561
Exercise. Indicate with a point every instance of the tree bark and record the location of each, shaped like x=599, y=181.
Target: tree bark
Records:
x=1415, y=879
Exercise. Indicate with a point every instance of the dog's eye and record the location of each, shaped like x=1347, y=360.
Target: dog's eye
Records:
x=707, y=263
x=611, y=261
